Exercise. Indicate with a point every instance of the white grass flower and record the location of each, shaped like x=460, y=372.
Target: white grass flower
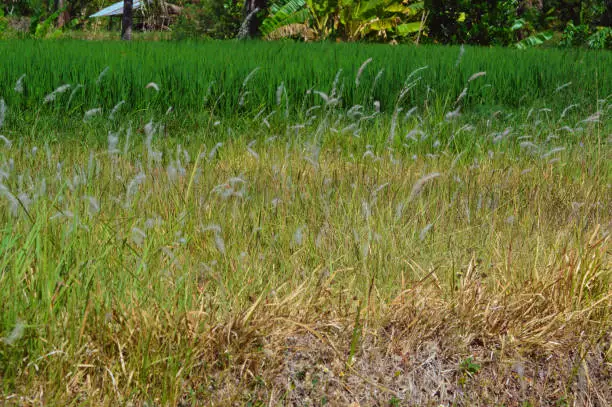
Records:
x=242, y=99
x=594, y=118
x=93, y=205
x=214, y=150
x=298, y=237
x=138, y=236
x=462, y=95
x=152, y=85
x=453, y=115
x=91, y=113
x=19, y=84
x=220, y=243
x=460, y=56
x=360, y=71
x=74, y=91
x=16, y=334
x=65, y=214
x=115, y=109
x=421, y=182
x=113, y=141
x=553, y=151
x=413, y=133
x=560, y=88
x=365, y=209
x=425, y=231
x=102, y=75
x=7, y=143
x=329, y=100
x=133, y=186
x=410, y=112
x=14, y=203
x=2, y=112
x=249, y=76
x=53, y=95
x=279, y=93
x=393, y=125
x=476, y=76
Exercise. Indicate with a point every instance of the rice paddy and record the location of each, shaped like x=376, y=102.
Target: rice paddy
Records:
x=283, y=224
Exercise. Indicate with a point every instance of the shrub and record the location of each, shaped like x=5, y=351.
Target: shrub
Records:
x=218, y=19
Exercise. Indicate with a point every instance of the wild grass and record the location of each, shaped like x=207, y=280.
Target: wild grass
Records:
x=334, y=255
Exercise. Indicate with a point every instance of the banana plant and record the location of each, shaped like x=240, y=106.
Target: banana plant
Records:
x=349, y=19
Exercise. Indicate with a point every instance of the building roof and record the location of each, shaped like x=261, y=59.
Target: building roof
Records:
x=115, y=9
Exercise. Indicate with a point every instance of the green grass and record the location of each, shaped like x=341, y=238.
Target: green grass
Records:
x=450, y=260
x=186, y=71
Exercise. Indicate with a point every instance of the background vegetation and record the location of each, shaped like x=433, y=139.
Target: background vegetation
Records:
x=521, y=23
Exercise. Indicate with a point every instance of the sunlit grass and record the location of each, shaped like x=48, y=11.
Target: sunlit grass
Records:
x=333, y=255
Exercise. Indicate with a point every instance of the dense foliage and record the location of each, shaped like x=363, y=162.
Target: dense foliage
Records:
x=521, y=23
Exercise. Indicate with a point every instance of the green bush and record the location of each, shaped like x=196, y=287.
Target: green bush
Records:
x=473, y=22
x=218, y=19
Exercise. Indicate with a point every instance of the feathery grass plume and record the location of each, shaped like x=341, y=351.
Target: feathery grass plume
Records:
x=126, y=146
x=334, y=90
x=219, y=243
x=213, y=151
x=361, y=69
x=251, y=151
x=410, y=112
x=91, y=113
x=279, y=93
x=460, y=56
x=58, y=91
x=453, y=115
x=594, y=118
x=93, y=205
x=393, y=125
x=462, y=95
x=19, y=84
x=14, y=203
x=62, y=214
x=113, y=142
x=425, y=231
x=16, y=334
x=102, y=75
x=553, y=151
x=413, y=73
x=74, y=91
x=421, y=182
x=567, y=109
x=133, y=187
x=152, y=85
x=365, y=209
x=246, y=80
x=298, y=237
x=2, y=112
x=329, y=100
x=476, y=76
x=375, y=82
x=138, y=236
x=115, y=109
x=560, y=88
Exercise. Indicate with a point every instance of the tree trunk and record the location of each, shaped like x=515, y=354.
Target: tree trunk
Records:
x=126, y=20
x=252, y=21
x=64, y=16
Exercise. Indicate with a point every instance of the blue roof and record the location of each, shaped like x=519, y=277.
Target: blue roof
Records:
x=115, y=10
